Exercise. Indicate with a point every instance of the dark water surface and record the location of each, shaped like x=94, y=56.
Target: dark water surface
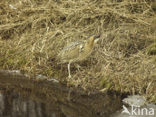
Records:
x=22, y=97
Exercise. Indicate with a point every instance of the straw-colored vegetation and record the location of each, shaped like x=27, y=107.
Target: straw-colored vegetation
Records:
x=32, y=32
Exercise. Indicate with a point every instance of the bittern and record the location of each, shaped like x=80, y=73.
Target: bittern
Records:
x=77, y=51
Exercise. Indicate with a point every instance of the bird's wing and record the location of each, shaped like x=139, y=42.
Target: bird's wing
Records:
x=73, y=45
x=71, y=51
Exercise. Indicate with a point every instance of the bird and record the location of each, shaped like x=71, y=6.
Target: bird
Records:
x=77, y=51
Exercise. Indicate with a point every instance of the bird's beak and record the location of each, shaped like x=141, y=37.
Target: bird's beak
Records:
x=96, y=38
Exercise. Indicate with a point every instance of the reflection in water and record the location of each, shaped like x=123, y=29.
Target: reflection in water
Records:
x=22, y=97
x=1, y=104
x=13, y=105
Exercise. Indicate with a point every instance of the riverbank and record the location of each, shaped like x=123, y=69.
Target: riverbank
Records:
x=33, y=32
x=55, y=97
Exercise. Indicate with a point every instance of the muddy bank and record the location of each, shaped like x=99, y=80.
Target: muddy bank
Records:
x=66, y=100
x=33, y=32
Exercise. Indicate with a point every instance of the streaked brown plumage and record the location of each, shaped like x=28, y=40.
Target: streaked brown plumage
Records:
x=77, y=51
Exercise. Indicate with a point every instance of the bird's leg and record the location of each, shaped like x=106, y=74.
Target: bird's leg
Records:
x=69, y=70
x=78, y=66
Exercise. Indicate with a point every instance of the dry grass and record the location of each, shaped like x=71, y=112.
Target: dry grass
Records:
x=32, y=32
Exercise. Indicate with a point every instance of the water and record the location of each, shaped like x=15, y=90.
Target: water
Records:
x=21, y=97
x=14, y=105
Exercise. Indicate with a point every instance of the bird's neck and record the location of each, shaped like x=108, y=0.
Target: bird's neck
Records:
x=90, y=44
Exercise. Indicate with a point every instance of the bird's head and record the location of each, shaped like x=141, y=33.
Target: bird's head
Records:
x=94, y=39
